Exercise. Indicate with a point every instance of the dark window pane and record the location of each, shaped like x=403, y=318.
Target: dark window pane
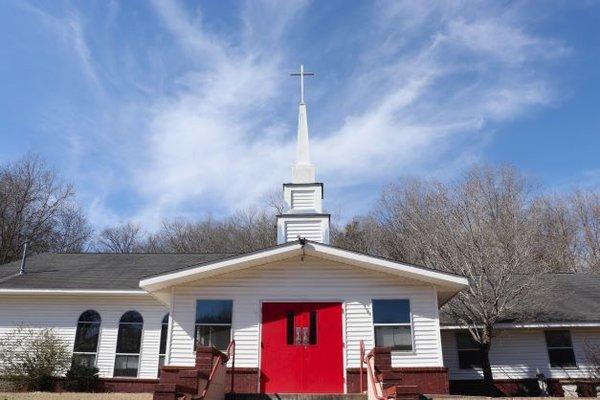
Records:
x=213, y=311
x=558, y=339
x=391, y=311
x=563, y=358
x=90, y=316
x=86, y=337
x=164, y=332
x=468, y=359
x=132, y=316
x=129, y=338
x=464, y=340
x=215, y=336
x=313, y=328
x=396, y=337
x=126, y=365
x=166, y=319
x=290, y=328
x=86, y=360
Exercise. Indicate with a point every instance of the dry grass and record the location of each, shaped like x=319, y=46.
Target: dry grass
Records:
x=75, y=396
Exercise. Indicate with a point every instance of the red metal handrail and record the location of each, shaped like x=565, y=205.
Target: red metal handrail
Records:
x=229, y=355
x=362, y=362
x=365, y=359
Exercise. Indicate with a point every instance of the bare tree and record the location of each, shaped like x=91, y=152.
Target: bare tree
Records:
x=483, y=227
x=557, y=235
x=124, y=238
x=586, y=207
x=570, y=231
x=360, y=234
x=36, y=206
x=244, y=231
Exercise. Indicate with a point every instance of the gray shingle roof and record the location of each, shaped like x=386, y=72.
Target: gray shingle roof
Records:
x=566, y=298
x=570, y=297
x=94, y=270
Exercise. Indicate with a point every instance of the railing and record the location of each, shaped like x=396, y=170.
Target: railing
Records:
x=231, y=356
x=223, y=359
x=374, y=387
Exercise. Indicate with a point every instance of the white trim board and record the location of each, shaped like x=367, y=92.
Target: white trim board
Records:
x=531, y=325
x=448, y=284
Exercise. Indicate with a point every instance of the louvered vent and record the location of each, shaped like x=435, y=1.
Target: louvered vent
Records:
x=303, y=200
x=311, y=230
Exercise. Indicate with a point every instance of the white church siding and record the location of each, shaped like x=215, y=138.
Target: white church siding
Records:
x=521, y=353
x=61, y=313
x=313, y=279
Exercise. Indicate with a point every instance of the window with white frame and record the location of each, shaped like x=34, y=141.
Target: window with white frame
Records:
x=129, y=343
x=213, y=323
x=85, y=349
x=392, y=324
x=469, y=354
x=164, y=332
x=560, y=349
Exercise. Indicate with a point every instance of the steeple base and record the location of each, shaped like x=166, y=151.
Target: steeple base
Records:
x=303, y=173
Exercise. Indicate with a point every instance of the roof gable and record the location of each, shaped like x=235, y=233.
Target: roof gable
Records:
x=446, y=284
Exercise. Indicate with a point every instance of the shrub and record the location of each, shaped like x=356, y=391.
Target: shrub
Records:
x=32, y=358
x=81, y=378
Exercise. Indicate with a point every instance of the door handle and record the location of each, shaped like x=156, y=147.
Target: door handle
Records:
x=305, y=335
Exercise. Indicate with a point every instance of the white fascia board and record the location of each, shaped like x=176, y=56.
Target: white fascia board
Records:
x=423, y=274
x=531, y=325
x=74, y=292
x=244, y=261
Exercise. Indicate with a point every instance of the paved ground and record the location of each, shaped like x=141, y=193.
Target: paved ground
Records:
x=75, y=396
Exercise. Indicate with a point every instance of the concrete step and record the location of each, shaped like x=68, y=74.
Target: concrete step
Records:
x=294, y=396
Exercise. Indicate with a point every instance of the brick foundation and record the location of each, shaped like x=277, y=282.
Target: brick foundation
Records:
x=521, y=387
x=429, y=380
x=245, y=381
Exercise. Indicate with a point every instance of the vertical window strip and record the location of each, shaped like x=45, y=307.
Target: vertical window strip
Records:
x=129, y=343
x=85, y=348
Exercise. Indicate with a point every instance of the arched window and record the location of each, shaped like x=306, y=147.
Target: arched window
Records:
x=129, y=343
x=164, y=332
x=85, y=349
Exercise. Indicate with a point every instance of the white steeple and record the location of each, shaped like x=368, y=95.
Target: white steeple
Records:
x=304, y=217
x=303, y=171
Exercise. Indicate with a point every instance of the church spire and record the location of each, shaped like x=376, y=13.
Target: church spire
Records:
x=303, y=217
x=303, y=171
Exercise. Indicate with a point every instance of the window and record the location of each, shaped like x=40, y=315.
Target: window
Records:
x=85, y=349
x=213, y=323
x=297, y=333
x=391, y=320
x=129, y=342
x=469, y=355
x=560, y=349
x=164, y=332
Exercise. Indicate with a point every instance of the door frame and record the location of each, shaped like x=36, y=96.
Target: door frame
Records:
x=344, y=344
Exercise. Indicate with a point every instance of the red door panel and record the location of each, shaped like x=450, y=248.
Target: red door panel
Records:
x=301, y=349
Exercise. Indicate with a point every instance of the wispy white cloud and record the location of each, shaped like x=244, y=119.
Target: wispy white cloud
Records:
x=70, y=30
x=428, y=85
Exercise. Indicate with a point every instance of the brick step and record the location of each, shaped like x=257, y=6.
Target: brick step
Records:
x=294, y=396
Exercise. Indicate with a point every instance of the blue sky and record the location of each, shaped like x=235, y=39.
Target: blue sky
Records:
x=159, y=110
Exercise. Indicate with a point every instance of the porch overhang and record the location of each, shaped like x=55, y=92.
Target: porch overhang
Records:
x=446, y=284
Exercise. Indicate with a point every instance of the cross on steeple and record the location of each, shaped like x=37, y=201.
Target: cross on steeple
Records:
x=302, y=74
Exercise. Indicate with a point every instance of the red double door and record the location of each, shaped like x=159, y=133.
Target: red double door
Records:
x=301, y=348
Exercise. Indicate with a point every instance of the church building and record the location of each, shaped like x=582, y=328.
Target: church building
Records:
x=299, y=317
